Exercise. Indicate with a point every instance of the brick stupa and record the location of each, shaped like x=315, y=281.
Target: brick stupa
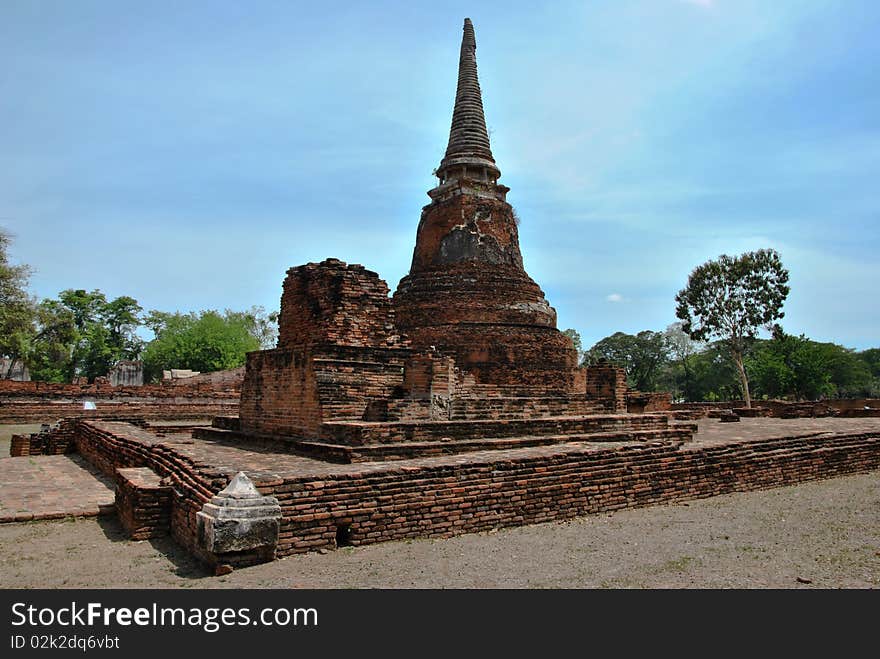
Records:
x=467, y=293
x=466, y=356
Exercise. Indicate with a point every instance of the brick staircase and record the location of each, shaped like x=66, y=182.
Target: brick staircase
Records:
x=364, y=441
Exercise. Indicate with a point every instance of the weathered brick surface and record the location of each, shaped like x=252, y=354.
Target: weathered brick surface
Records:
x=606, y=382
x=333, y=303
x=452, y=499
x=110, y=446
x=52, y=487
x=467, y=295
x=292, y=391
x=443, y=496
x=143, y=503
x=48, y=401
x=50, y=440
x=638, y=402
x=363, y=433
x=846, y=407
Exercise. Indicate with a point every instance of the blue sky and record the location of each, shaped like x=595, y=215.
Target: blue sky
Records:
x=187, y=154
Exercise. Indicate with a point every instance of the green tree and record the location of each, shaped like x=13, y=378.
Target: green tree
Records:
x=203, y=342
x=261, y=325
x=575, y=337
x=796, y=367
x=18, y=309
x=682, y=349
x=714, y=374
x=641, y=355
x=50, y=354
x=731, y=299
x=122, y=318
x=103, y=332
x=871, y=359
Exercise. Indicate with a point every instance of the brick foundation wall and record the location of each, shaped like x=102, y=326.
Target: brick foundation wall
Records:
x=49, y=401
x=447, y=497
x=280, y=393
x=638, y=402
x=849, y=407
x=453, y=499
x=56, y=440
x=109, y=449
x=292, y=391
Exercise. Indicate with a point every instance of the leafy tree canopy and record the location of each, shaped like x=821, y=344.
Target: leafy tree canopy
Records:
x=575, y=337
x=17, y=308
x=731, y=299
x=208, y=341
x=641, y=355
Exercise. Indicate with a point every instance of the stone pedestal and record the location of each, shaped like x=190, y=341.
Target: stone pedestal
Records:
x=240, y=526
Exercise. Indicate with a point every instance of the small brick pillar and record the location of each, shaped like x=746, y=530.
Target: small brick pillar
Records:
x=608, y=383
x=143, y=503
x=20, y=445
x=427, y=375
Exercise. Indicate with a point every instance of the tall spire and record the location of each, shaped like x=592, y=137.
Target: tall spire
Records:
x=468, y=153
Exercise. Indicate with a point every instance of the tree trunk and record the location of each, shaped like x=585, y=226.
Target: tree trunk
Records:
x=687, y=379
x=737, y=357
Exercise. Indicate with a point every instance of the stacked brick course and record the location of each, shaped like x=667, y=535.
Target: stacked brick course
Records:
x=143, y=503
x=49, y=401
x=333, y=303
x=607, y=382
x=355, y=504
x=338, y=350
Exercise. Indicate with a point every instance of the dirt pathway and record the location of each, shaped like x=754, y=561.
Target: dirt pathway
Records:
x=825, y=532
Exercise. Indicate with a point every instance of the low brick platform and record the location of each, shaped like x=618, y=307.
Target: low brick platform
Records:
x=52, y=487
x=327, y=505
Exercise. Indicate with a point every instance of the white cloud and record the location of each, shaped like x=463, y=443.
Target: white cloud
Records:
x=705, y=4
x=615, y=297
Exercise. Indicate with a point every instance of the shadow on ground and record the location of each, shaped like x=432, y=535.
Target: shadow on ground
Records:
x=185, y=566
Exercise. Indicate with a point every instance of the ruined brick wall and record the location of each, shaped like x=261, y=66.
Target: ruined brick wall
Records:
x=291, y=392
x=607, y=382
x=638, y=402
x=143, y=503
x=429, y=374
x=228, y=380
x=449, y=499
x=349, y=378
x=49, y=401
x=48, y=411
x=506, y=355
x=847, y=407
x=446, y=497
x=110, y=447
x=50, y=440
x=280, y=393
x=333, y=303
x=338, y=351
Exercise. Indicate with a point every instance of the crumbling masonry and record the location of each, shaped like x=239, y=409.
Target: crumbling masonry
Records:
x=456, y=405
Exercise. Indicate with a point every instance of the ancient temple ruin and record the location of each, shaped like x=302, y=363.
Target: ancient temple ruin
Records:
x=453, y=406
x=465, y=355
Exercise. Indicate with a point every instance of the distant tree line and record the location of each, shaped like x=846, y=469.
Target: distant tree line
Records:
x=784, y=366
x=83, y=334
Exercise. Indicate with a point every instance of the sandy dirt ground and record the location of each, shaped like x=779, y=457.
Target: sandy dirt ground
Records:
x=823, y=534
